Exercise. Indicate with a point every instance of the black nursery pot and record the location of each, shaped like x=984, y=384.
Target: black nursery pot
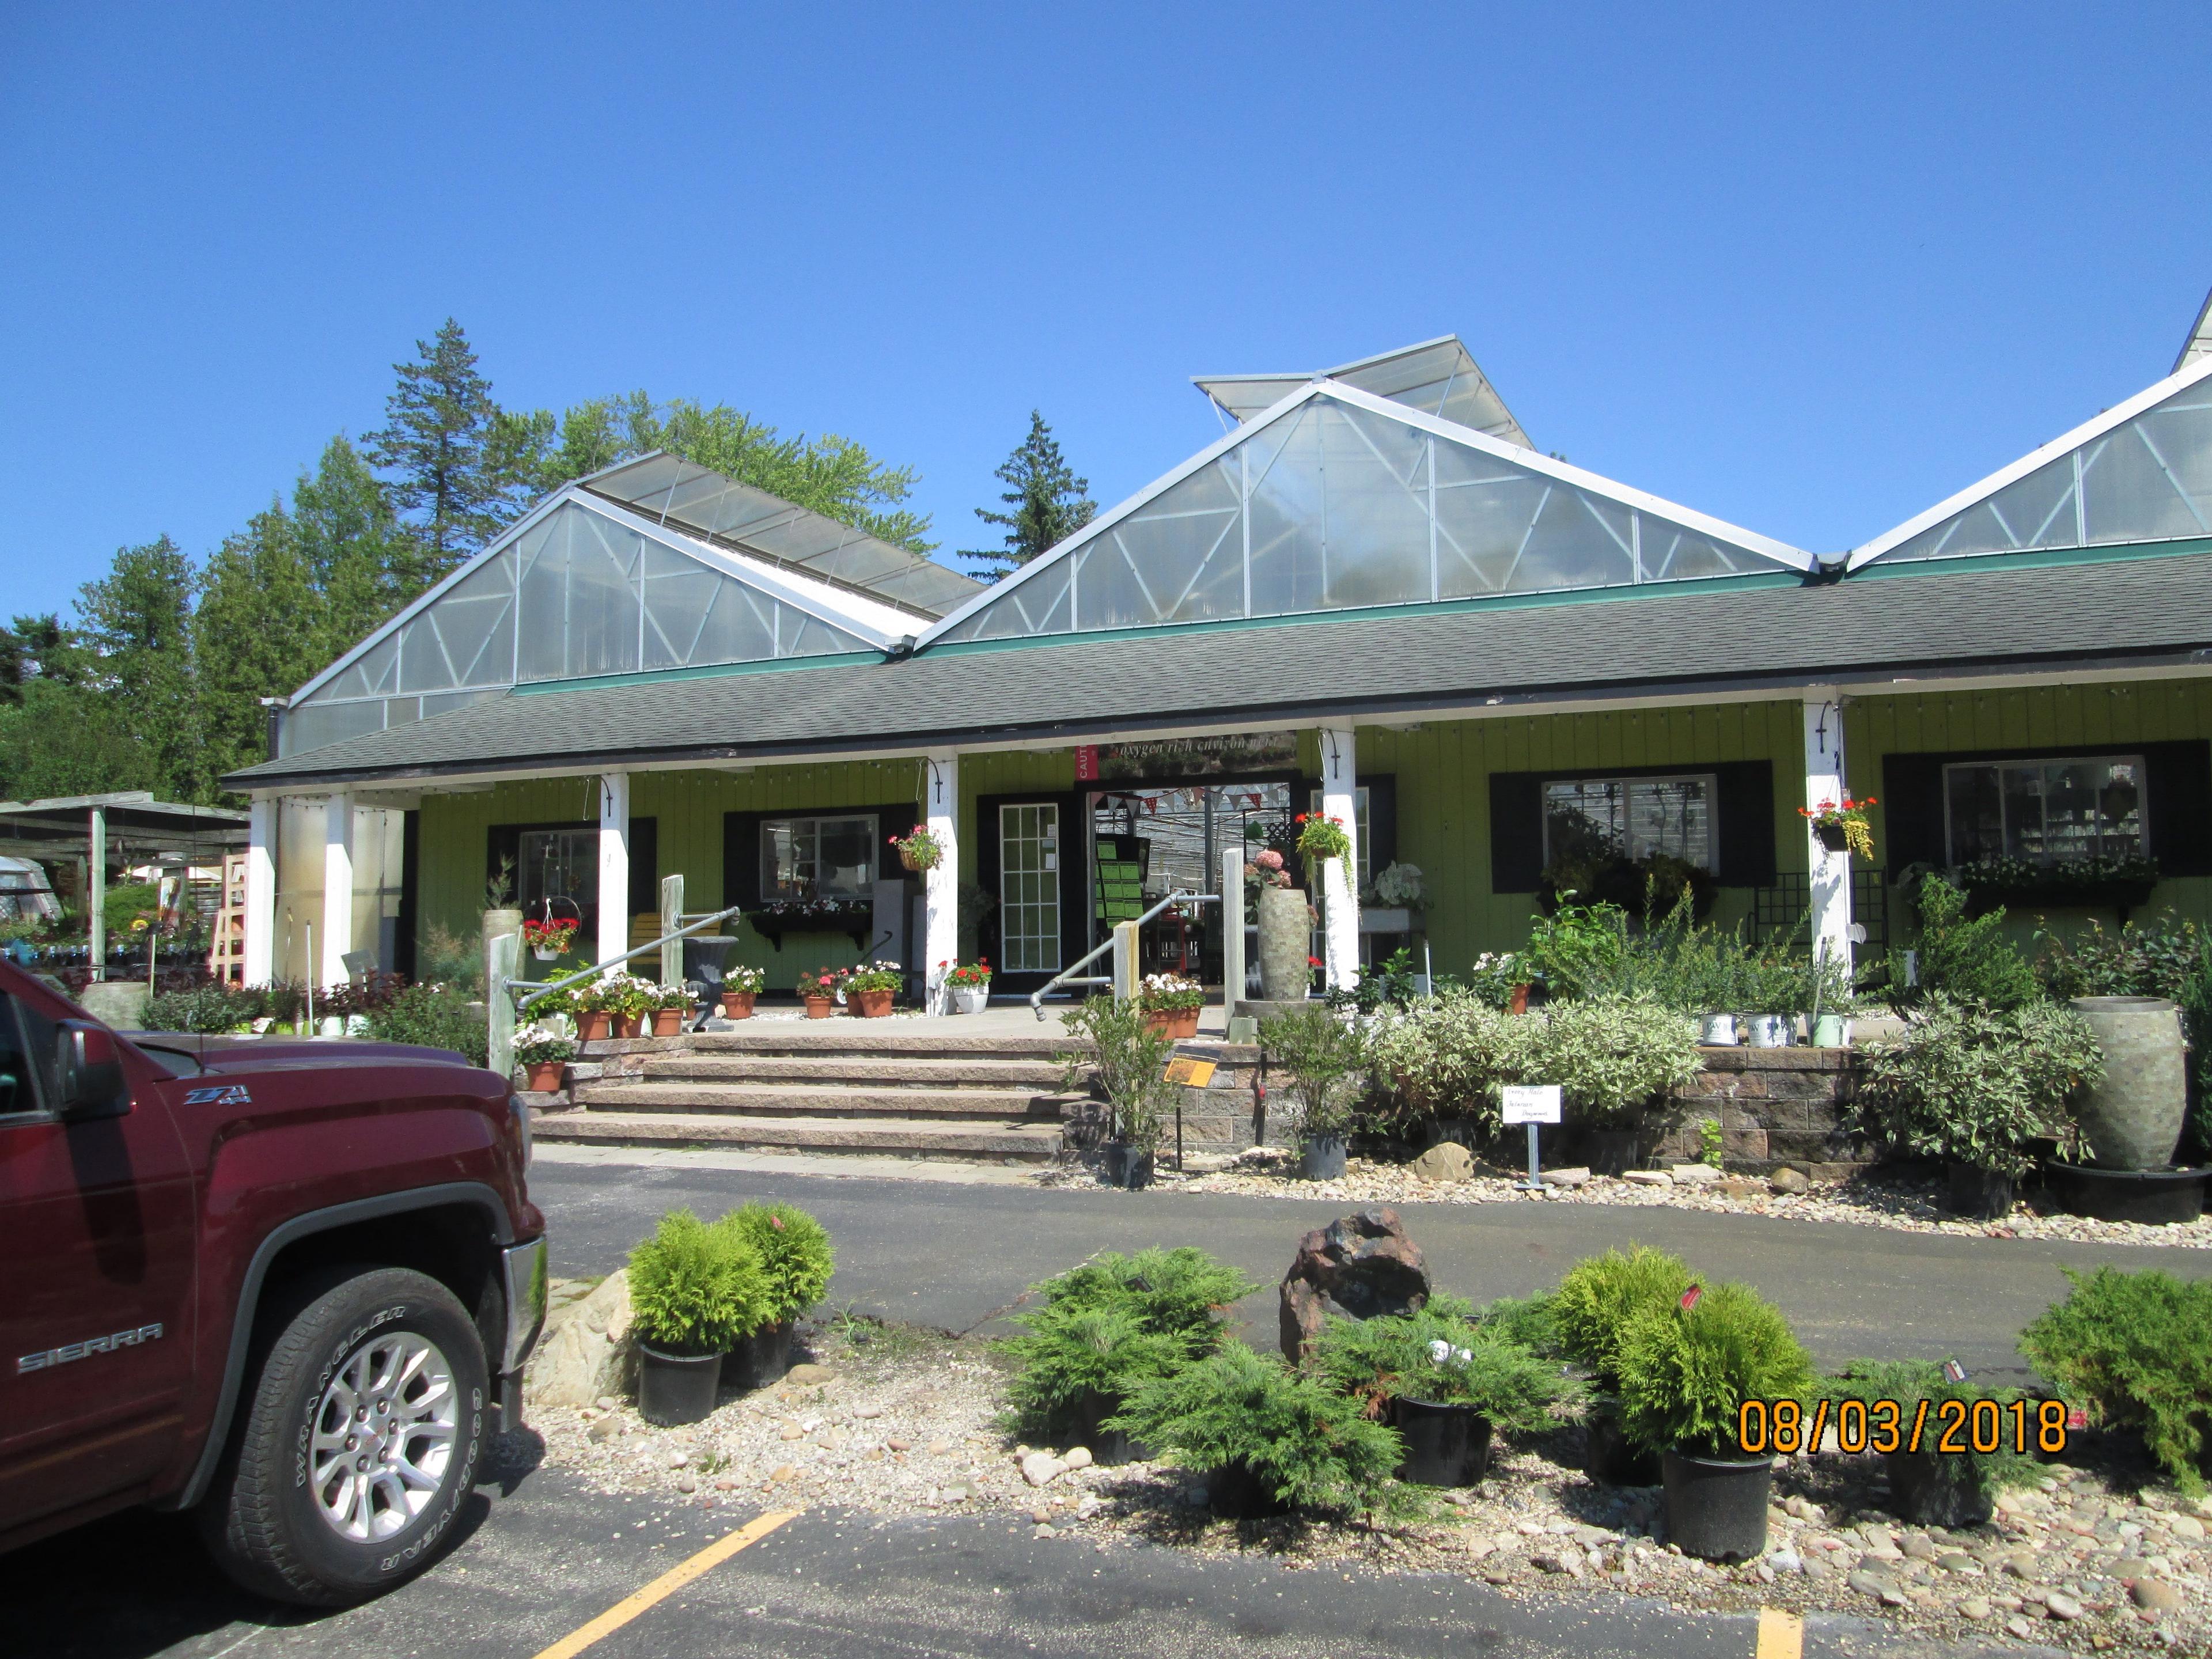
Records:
x=1109, y=1447
x=674, y=1388
x=1237, y=1493
x=1321, y=1159
x=1611, y=1457
x=2166, y=1197
x=1717, y=1506
x=1930, y=1489
x=1446, y=1445
x=1126, y=1166
x=1981, y=1193
x=759, y=1360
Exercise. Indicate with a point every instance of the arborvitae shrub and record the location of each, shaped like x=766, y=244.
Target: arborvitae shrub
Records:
x=1685, y=1371
x=696, y=1289
x=1602, y=1293
x=795, y=1253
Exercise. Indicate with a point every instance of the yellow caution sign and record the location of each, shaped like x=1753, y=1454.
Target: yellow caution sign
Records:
x=1191, y=1073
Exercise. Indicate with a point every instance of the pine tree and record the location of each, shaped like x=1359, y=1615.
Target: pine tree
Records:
x=1049, y=501
x=437, y=445
x=137, y=621
x=354, y=554
x=261, y=630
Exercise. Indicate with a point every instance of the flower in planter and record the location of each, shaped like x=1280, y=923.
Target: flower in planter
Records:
x=966, y=973
x=1846, y=818
x=541, y=1050
x=918, y=850
x=876, y=976
x=671, y=996
x=1401, y=885
x=819, y=984
x=1320, y=837
x=744, y=982
x=1169, y=994
x=549, y=935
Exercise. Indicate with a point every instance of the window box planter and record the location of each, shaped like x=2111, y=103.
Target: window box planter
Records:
x=855, y=921
x=1172, y=1022
x=2120, y=896
x=1387, y=919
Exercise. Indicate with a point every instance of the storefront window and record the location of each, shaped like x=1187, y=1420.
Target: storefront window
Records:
x=2044, y=809
x=557, y=875
x=1629, y=817
x=818, y=858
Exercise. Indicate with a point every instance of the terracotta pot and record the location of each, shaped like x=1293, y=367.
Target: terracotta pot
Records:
x=545, y=1077
x=820, y=1007
x=629, y=1026
x=595, y=1026
x=1516, y=1001
x=869, y=1005
x=1185, y=1024
x=738, y=1004
x=667, y=1022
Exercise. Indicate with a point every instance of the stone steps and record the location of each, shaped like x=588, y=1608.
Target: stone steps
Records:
x=1027, y=1143
x=828, y=1038
x=900, y=1071
x=691, y=1097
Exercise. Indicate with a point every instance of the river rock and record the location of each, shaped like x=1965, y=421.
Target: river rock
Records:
x=588, y=1355
x=1357, y=1267
x=1788, y=1180
x=1647, y=1178
x=1445, y=1161
x=2156, y=1596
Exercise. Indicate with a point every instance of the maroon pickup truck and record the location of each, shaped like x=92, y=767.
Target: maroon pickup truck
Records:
x=288, y=1286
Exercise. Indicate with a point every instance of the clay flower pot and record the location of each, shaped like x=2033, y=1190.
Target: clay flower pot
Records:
x=738, y=1004
x=629, y=1026
x=870, y=1005
x=821, y=1007
x=595, y=1026
x=545, y=1077
x=667, y=1022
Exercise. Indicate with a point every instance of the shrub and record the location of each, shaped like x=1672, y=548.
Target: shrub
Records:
x=1959, y=960
x=1974, y=1084
x=696, y=1289
x=1909, y=1382
x=1449, y=1057
x=876, y=976
x=1529, y=1321
x=1612, y=1055
x=434, y=1018
x=1578, y=949
x=1685, y=1371
x=1308, y=1445
x=1601, y=1294
x=1319, y=1051
x=1181, y=1292
x=2157, y=961
x=793, y=1251
x=444, y=957
x=1436, y=1353
x=2136, y=1350
x=210, y=1009
x=1128, y=1061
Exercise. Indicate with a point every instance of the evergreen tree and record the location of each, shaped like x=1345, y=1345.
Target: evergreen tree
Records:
x=1048, y=503
x=436, y=442
x=37, y=647
x=352, y=550
x=261, y=629
x=136, y=621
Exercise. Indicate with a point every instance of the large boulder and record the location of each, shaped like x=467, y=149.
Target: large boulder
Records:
x=1445, y=1161
x=1357, y=1267
x=586, y=1351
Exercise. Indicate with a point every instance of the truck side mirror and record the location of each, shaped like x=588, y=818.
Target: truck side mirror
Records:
x=89, y=1080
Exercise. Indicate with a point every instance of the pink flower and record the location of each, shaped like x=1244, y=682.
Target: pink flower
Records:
x=1269, y=859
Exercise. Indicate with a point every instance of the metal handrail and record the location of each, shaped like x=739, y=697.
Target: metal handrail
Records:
x=1066, y=975
x=549, y=986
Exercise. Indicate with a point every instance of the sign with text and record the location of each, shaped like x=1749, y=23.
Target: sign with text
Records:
x=1170, y=759
x=1191, y=1073
x=1532, y=1102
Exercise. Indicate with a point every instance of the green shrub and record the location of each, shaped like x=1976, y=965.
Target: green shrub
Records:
x=1611, y=1056
x=1909, y=1382
x=2136, y=1350
x=211, y=1009
x=1972, y=1083
x=443, y=957
x=795, y=1253
x=1128, y=1061
x=1309, y=1445
x=1578, y=949
x=1959, y=960
x=434, y=1018
x=1527, y=1321
x=1449, y=1057
x=1437, y=1354
x=1315, y=1053
x=2135, y=961
x=1601, y=1294
x=1182, y=1292
x=696, y=1289
x=1685, y=1371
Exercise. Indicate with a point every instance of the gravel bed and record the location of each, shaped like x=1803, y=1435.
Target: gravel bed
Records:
x=1882, y=1200
x=893, y=1421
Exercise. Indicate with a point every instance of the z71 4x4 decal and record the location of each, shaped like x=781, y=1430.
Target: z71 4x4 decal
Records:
x=227, y=1094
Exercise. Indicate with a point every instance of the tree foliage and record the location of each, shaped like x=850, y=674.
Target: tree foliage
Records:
x=1046, y=503
x=436, y=443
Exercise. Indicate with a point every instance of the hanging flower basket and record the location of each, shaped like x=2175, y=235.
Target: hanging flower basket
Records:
x=1842, y=828
x=918, y=849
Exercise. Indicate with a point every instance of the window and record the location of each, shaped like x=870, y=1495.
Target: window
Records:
x=27, y=1053
x=1631, y=818
x=2044, y=809
x=557, y=875
x=816, y=859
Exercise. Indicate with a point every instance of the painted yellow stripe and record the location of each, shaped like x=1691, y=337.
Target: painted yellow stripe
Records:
x=674, y=1580
x=1781, y=1635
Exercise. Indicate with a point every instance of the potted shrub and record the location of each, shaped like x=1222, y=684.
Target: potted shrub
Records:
x=1128, y=1063
x=2136, y=1351
x=1171, y=1003
x=1933, y=1486
x=1443, y=1382
x=1268, y=1438
x=1686, y=1370
x=542, y=1058
x=692, y=1289
x=796, y=1262
x=818, y=988
x=549, y=940
x=1318, y=1052
x=1611, y=1056
x=1841, y=826
x=1448, y=1056
x=869, y=990
x=1586, y=1316
x=969, y=985
x=739, y=987
x=671, y=1003
x=1973, y=1085
x=918, y=850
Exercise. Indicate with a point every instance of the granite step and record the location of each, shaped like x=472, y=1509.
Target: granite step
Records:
x=689, y=1097
x=1029, y=1143
x=880, y=1038
x=930, y=1071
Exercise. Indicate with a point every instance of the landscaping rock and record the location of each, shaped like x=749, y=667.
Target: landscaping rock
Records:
x=1574, y=1176
x=1695, y=1174
x=803, y=1377
x=1357, y=1267
x=1976, y=1608
x=1791, y=1181
x=1647, y=1178
x=1078, y=1457
x=588, y=1356
x=1445, y=1161
x=2060, y=1605
x=2156, y=1596
x=1041, y=1468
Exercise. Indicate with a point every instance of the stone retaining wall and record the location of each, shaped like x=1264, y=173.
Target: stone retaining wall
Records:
x=1777, y=1107
x=1227, y=1113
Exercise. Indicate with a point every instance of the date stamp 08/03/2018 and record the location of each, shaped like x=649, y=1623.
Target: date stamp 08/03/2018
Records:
x=1948, y=1427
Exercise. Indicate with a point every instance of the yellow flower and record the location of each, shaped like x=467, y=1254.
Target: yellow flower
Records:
x=139, y=926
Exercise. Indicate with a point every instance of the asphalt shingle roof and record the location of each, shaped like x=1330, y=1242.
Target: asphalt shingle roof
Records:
x=1639, y=643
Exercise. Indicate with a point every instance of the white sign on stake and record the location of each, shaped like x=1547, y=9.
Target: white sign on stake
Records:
x=1532, y=1102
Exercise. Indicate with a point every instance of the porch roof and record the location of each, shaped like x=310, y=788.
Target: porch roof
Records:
x=2108, y=611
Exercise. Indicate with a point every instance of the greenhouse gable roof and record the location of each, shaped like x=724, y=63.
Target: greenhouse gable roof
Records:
x=1437, y=376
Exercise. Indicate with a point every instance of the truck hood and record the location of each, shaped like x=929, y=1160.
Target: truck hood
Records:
x=247, y=1053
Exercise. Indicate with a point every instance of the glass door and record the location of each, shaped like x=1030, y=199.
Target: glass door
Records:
x=1028, y=889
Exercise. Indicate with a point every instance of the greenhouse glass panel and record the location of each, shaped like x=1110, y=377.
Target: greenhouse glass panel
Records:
x=580, y=602
x=2129, y=493
x=1377, y=543
x=317, y=725
x=1670, y=553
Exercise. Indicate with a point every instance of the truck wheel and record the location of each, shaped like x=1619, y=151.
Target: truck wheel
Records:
x=357, y=1441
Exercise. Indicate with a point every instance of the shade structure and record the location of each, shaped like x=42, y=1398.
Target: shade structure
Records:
x=1439, y=377
x=1341, y=500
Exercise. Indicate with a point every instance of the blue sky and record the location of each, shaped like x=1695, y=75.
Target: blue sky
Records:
x=1809, y=269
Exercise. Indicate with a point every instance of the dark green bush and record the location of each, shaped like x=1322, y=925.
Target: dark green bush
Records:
x=1685, y=1372
x=696, y=1289
x=1127, y=1060
x=212, y=1009
x=2136, y=1349
x=1437, y=1354
x=1601, y=1294
x=1529, y=1321
x=1309, y=1445
x=1973, y=1083
x=2133, y=961
x=1182, y=1292
x=435, y=1018
x=793, y=1250
x=1314, y=1058
x=1960, y=960
x=1909, y=1382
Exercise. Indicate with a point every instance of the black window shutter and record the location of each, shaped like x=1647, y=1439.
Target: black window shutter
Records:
x=1912, y=812
x=741, y=859
x=1382, y=823
x=1516, y=832
x=2179, y=787
x=645, y=868
x=891, y=821
x=1744, y=818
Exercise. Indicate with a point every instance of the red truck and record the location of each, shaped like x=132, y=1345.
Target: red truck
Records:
x=287, y=1286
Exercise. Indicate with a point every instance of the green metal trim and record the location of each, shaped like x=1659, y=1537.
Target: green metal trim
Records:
x=707, y=672
x=2104, y=554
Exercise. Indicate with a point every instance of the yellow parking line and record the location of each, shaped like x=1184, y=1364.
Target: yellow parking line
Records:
x=1781, y=1635
x=677, y=1577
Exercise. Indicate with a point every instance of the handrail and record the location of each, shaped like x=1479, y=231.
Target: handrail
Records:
x=540, y=991
x=1066, y=975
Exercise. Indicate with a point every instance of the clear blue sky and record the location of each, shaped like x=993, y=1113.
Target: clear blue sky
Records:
x=1809, y=269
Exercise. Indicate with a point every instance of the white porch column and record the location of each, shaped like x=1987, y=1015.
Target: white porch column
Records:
x=614, y=864
x=940, y=940
x=1339, y=772
x=336, y=934
x=1831, y=872
x=261, y=819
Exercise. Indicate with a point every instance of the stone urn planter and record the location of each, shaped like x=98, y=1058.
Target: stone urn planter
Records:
x=1285, y=935
x=2132, y=1119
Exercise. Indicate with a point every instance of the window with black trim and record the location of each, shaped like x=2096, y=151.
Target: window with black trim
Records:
x=1632, y=817
x=2046, y=809
x=557, y=874
x=818, y=858
x=24, y=1057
